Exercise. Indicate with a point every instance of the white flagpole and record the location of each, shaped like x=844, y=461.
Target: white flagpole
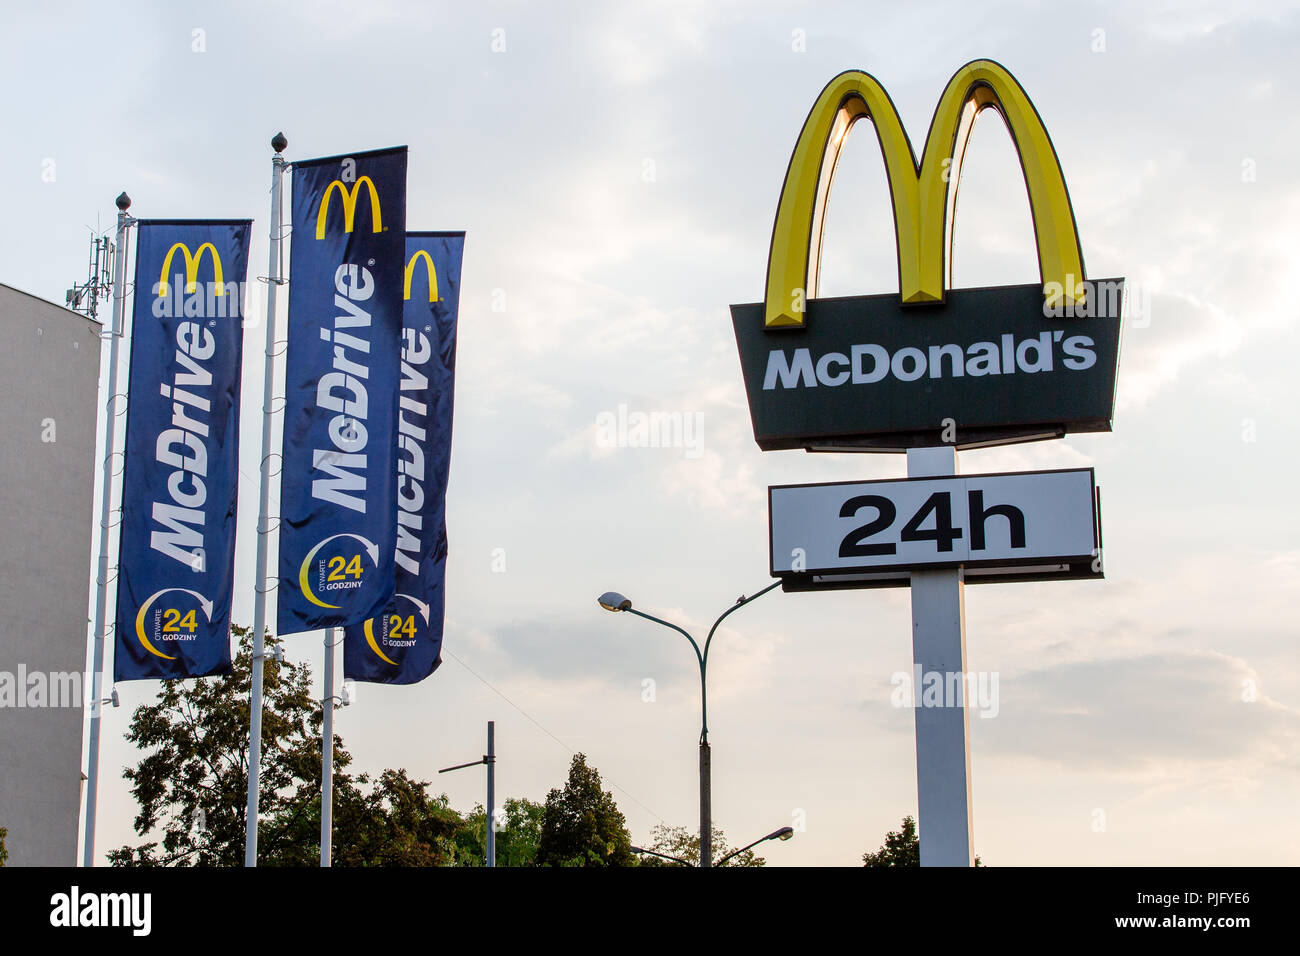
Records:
x=278, y=143
x=103, y=622
x=327, y=756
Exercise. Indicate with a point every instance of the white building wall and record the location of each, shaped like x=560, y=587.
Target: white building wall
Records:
x=49, y=368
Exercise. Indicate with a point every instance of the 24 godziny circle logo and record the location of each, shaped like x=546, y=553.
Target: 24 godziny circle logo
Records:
x=164, y=623
x=337, y=568
x=396, y=630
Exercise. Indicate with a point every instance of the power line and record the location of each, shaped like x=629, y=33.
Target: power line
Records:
x=537, y=723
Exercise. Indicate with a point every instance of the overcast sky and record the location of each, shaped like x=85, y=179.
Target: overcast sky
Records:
x=617, y=169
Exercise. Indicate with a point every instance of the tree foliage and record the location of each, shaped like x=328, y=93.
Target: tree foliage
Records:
x=191, y=785
x=191, y=789
x=581, y=824
x=519, y=831
x=902, y=848
x=388, y=821
x=685, y=845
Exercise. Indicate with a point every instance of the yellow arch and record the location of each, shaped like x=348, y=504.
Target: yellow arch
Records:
x=369, y=630
x=139, y=628
x=923, y=203
x=191, y=268
x=431, y=271
x=349, y=200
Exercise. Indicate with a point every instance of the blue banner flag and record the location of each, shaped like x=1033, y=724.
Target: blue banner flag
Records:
x=338, y=500
x=181, y=472
x=403, y=644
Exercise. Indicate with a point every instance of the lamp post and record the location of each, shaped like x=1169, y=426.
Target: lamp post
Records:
x=490, y=759
x=784, y=833
x=662, y=856
x=613, y=601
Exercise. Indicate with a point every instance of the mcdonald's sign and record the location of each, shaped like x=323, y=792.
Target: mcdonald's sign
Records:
x=348, y=197
x=930, y=364
x=338, y=497
x=191, y=268
x=180, y=481
x=430, y=271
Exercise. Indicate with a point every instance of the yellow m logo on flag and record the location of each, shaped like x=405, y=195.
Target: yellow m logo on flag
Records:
x=191, y=268
x=923, y=194
x=349, y=200
x=429, y=270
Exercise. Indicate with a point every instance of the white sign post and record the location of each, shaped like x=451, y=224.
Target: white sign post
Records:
x=936, y=531
x=942, y=733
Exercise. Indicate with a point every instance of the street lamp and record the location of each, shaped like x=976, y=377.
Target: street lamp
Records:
x=613, y=601
x=662, y=856
x=784, y=833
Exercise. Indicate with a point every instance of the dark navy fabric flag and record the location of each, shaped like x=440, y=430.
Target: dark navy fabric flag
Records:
x=338, y=501
x=404, y=643
x=181, y=473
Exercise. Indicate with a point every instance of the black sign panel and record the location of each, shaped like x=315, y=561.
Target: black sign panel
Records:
x=987, y=367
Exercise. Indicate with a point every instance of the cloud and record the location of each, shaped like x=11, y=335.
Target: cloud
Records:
x=566, y=649
x=1178, y=331
x=1144, y=713
x=593, y=281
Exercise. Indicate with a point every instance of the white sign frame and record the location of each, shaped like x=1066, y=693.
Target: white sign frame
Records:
x=834, y=535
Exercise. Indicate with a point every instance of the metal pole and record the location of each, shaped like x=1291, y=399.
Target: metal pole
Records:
x=706, y=764
x=259, y=582
x=327, y=757
x=491, y=761
x=943, y=783
x=706, y=804
x=102, y=625
x=662, y=856
x=706, y=754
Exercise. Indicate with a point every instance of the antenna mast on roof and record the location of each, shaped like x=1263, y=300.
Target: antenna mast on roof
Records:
x=85, y=298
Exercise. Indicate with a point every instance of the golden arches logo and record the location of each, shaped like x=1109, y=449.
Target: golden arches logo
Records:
x=349, y=199
x=924, y=194
x=430, y=270
x=191, y=268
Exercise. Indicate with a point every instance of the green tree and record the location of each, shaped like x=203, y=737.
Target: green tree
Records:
x=685, y=845
x=192, y=783
x=389, y=821
x=582, y=825
x=519, y=831
x=902, y=848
